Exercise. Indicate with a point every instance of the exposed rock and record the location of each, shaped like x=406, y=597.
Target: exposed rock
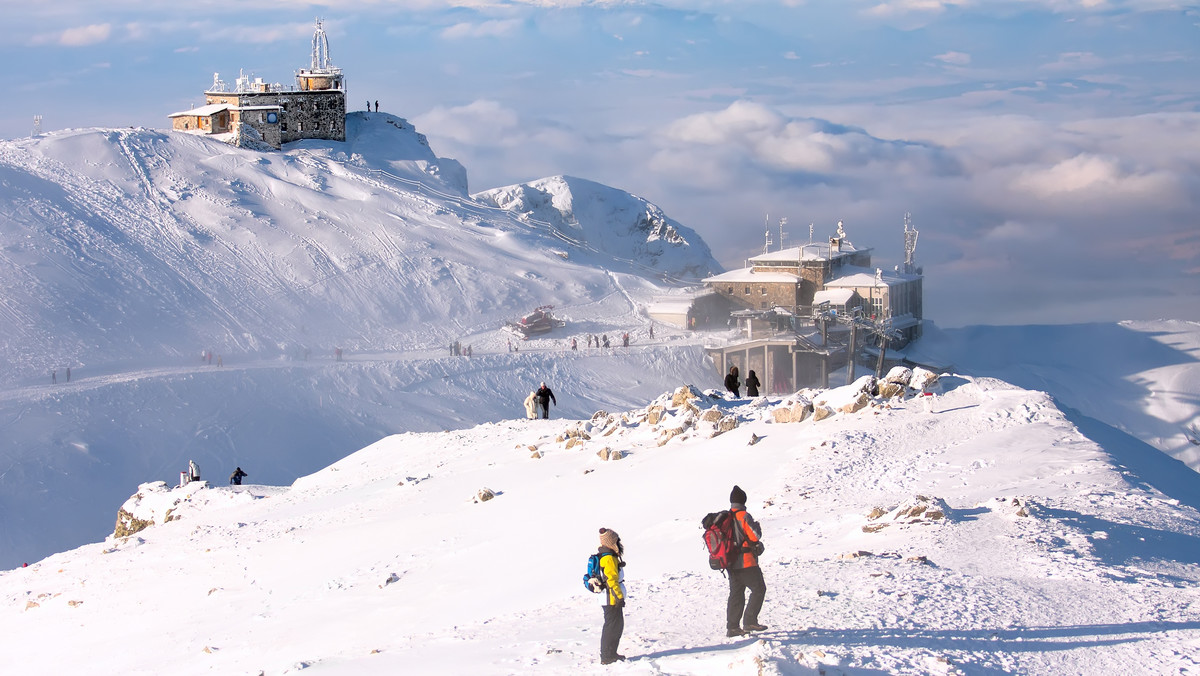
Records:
x=684, y=395
x=783, y=414
x=654, y=414
x=922, y=379
x=850, y=556
x=574, y=441
x=821, y=413
x=753, y=439
x=860, y=402
x=891, y=390
x=484, y=495
x=899, y=375
x=599, y=416
x=876, y=513
x=128, y=524
x=536, y=455
x=32, y=604
x=726, y=424
x=711, y=415
x=607, y=453
x=669, y=434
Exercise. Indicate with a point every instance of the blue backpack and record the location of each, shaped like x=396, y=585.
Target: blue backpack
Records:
x=593, y=579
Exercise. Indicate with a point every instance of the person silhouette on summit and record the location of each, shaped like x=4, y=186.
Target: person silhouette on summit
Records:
x=235, y=479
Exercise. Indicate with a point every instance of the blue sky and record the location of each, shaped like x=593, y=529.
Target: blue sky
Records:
x=1049, y=150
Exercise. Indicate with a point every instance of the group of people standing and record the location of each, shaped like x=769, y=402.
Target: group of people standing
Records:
x=741, y=616
x=733, y=384
x=538, y=401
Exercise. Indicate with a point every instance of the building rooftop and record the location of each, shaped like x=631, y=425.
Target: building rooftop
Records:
x=203, y=111
x=816, y=251
x=749, y=275
x=853, y=277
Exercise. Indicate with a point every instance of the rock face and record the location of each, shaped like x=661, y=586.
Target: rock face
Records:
x=919, y=510
x=484, y=495
x=821, y=413
x=922, y=379
x=793, y=410
x=899, y=375
x=859, y=403
x=153, y=504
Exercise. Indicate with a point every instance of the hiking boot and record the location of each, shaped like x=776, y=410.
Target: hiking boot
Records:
x=610, y=660
x=730, y=633
x=756, y=627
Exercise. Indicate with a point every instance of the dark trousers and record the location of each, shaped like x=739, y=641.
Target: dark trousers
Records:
x=614, y=625
x=740, y=580
x=544, y=406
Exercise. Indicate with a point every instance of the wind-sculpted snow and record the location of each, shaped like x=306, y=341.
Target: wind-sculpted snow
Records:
x=1013, y=544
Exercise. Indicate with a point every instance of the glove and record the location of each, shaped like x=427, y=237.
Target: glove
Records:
x=759, y=548
x=595, y=586
x=621, y=602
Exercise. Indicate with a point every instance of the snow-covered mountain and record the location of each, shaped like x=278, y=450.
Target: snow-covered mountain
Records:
x=607, y=220
x=126, y=254
x=977, y=531
x=141, y=245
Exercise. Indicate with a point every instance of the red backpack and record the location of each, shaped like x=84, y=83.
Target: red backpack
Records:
x=721, y=539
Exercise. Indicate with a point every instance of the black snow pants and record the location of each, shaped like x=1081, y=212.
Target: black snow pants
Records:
x=610, y=637
x=741, y=579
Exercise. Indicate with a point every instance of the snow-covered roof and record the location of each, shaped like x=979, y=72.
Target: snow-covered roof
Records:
x=260, y=107
x=202, y=111
x=817, y=251
x=857, y=277
x=833, y=296
x=749, y=275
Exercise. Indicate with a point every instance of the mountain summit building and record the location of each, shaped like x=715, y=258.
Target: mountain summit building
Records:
x=257, y=111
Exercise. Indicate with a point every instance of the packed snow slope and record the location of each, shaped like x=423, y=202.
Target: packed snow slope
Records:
x=1139, y=380
x=125, y=254
x=982, y=535
x=143, y=245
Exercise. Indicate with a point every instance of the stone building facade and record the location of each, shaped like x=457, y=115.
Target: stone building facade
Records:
x=257, y=111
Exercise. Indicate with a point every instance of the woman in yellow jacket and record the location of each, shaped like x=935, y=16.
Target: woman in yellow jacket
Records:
x=613, y=597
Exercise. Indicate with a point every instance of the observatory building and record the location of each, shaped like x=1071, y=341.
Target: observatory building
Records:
x=260, y=112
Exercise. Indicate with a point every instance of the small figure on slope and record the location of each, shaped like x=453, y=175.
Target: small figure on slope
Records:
x=544, y=397
x=752, y=384
x=732, y=383
x=744, y=572
x=235, y=479
x=612, y=564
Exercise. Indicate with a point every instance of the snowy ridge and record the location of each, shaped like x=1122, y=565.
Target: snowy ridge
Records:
x=610, y=221
x=1048, y=559
x=161, y=245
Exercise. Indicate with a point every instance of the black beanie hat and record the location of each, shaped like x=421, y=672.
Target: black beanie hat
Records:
x=737, y=496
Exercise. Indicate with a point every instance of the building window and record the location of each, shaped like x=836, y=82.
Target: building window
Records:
x=747, y=292
x=764, y=291
x=731, y=289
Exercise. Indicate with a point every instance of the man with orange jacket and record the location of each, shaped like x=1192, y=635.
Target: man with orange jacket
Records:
x=744, y=572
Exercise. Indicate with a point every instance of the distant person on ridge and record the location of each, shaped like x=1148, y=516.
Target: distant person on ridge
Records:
x=235, y=479
x=531, y=406
x=752, y=384
x=193, y=471
x=544, y=397
x=744, y=572
x=732, y=383
x=613, y=565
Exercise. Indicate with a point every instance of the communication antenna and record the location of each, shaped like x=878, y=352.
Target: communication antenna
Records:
x=767, y=235
x=910, y=243
x=37, y=125
x=782, y=222
x=810, y=233
x=841, y=231
x=320, y=49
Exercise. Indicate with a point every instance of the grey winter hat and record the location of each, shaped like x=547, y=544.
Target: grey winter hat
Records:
x=737, y=496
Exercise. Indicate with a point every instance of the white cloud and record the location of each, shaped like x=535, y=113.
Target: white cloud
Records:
x=491, y=28
x=79, y=36
x=791, y=56
x=893, y=8
x=954, y=58
x=1092, y=175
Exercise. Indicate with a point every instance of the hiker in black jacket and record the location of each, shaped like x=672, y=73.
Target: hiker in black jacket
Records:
x=732, y=383
x=544, y=397
x=752, y=384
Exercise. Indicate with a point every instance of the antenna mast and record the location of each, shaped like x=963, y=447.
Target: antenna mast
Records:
x=810, y=233
x=767, y=235
x=910, y=243
x=782, y=222
x=37, y=125
x=320, y=49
